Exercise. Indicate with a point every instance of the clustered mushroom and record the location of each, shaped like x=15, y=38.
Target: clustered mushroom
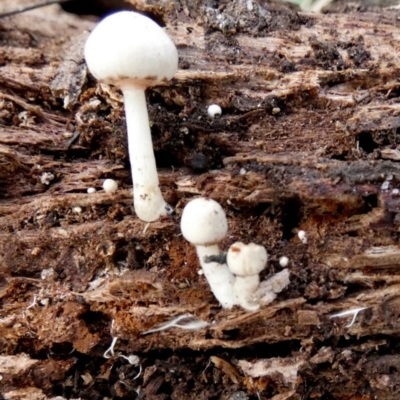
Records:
x=132, y=52
x=149, y=59
x=234, y=280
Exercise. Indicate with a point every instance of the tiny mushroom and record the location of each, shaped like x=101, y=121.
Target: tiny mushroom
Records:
x=213, y=110
x=204, y=224
x=302, y=236
x=110, y=186
x=132, y=52
x=284, y=261
x=246, y=261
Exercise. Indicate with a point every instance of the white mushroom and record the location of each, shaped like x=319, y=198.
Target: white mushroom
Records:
x=132, y=52
x=110, y=186
x=302, y=236
x=213, y=110
x=204, y=224
x=246, y=261
x=284, y=261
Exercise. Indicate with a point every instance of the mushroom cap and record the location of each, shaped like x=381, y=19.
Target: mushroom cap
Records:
x=213, y=110
x=203, y=222
x=110, y=186
x=246, y=259
x=128, y=46
x=284, y=261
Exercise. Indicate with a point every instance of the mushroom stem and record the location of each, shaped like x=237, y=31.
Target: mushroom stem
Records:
x=245, y=288
x=220, y=279
x=148, y=200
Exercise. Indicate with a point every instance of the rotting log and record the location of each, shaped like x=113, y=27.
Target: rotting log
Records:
x=307, y=140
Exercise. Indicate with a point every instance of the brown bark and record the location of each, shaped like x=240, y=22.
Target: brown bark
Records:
x=307, y=141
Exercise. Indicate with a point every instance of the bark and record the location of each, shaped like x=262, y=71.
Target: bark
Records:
x=307, y=141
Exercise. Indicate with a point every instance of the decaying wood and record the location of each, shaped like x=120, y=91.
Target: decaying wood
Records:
x=307, y=140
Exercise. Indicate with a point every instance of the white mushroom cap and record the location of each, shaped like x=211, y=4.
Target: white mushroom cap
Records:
x=110, y=186
x=128, y=46
x=284, y=261
x=203, y=222
x=246, y=259
x=302, y=236
x=213, y=110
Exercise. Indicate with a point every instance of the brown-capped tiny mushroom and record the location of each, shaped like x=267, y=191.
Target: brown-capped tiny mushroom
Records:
x=132, y=52
x=246, y=261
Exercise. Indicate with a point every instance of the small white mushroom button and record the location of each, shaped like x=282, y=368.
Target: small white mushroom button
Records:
x=110, y=186
x=385, y=185
x=276, y=110
x=213, y=110
x=302, y=236
x=283, y=261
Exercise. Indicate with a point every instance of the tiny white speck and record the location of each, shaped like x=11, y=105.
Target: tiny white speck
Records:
x=132, y=359
x=385, y=185
x=46, y=178
x=47, y=273
x=302, y=236
x=213, y=110
x=44, y=302
x=395, y=192
x=200, y=272
x=389, y=177
x=242, y=171
x=283, y=261
x=77, y=210
x=276, y=110
x=91, y=190
x=110, y=186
